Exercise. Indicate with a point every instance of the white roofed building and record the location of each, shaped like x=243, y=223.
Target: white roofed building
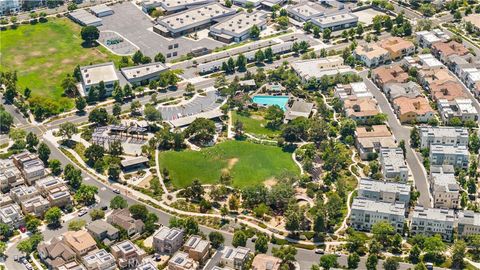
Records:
x=142, y=74
x=432, y=221
x=94, y=74
x=237, y=28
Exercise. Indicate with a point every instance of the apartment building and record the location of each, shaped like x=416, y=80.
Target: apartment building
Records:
x=12, y=215
x=444, y=186
x=147, y=266
x=94, y=75
x=389, y=74
x=197, y=248
x=397, y=47
x=235, y=258
x=371, y=54
x=181, y=261
x=468, y=223
x=10, y=176
x=427, y=38
x=81, y=242
x=36, y=206
x=99, y=260
x=365, y=213
x=168, y=240
x=5, y=199
x=433, y=221
x=369, y=140
x=461, y=108
x=456, y=136
x=31, y=167
x=59, y=196
x=266, y=262
x=128, y=255
x=123, y=219
x=389, y=192
x=9, y=7
x=394, y=167
x=23, y=193
x=457, y=156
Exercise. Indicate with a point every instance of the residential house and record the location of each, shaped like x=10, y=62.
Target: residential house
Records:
x=474, y=19
x=36, y=206
x=103, y=231
x=355, y=90
x=366, y=212
x=443, y=50
x=72, y=266
x=427, y=38
x=298, y=108
x=433, y=221
x=128, y=255
x=457, y=136
x=266, y=262
x=461, y=108
x=369, y=140
x=393, y=74
x=168, y=240
x=99, y=260
x=427, y=77
x=444, y=187
x=396, y=90
x=371, y=54
x=468, y=223
x=81, y=242
x=59, y=196
x=411, y=110
x=31, y=167
x=235, y=258
x=361, y=109
x=123, y=219
x=181, y=261
x=10, y=176
x=12, y=215
x=457, y=156
x=197, y=248
x=55, y=253
x=389, y=192
x=449, y=90
x=5, y=199
x=147, y=266
x=23, y=193
x=397, y=47
x=393, y=164
x=428, y=61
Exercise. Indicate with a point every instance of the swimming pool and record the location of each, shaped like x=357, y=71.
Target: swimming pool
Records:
x=280, y=101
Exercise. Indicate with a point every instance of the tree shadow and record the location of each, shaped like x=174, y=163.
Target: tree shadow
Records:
x=89, y=45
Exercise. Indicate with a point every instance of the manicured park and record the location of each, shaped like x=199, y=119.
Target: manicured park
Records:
x=43, y=54
x=248, y=163
x=255, y=124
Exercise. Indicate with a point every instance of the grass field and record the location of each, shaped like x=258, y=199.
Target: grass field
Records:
x=255, y=124
x=43, y=54
x=248, y=163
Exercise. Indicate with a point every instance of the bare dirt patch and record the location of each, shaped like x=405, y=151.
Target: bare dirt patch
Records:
x=269, y=183
x=230, y=164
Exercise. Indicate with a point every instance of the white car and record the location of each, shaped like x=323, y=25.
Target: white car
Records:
x=82, y=212
x=319, y=251
x=117, y=191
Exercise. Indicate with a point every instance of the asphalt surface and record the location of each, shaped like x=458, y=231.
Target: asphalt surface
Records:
x=402, y=133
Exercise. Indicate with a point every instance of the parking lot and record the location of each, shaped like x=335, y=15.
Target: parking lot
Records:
x=130, y=22
x=194, y=106
x=116, y=43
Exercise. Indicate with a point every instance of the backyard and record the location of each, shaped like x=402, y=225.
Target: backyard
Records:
x=255, y=124
x=248, y=163
x=43, y=54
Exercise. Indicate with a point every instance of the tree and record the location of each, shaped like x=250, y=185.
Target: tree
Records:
x=328, y=261
x=228, y=3
x=474, y=142
x=44, y=152
x=458, y=254
x=259, y=56
x=55, y=166
x=372, y=262
x=32, y=223
x=76, y=225
x=97, y=214
x=80, y=104
x=457, y=16
x=434, y=246
x=32, y=140
x=73, y=176
x=415, y=137
x=5, y=231
x=90, y=34
x=359, y=29
x=98, y=116
x=216, y=239
x=94, y=153
x=25, y=246
x=6, y=120
x=117, y=93
x=118, y=202
x=241, y=62
x=353, y=260
x=194, y=191
x=67, y=130
x=254, y=31
x=239, y=239
x=414, y=255
x=137, y=57
x=135, y=107
x=201, y=130
x=159, y=58
x=69, y=86
x=3, y=248
x=286, y=253
x=390, y=264
x=53, y=215
x=261, y=244
x=382, y=230
x=268, y=54
x=420, y=266
x=114, y=172
x=138, y=211
x=188, y=224
x=86, y=194
x=117, y=109
x=327, y=33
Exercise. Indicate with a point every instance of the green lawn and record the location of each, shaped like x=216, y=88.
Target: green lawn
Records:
x=43, y=54
x=247, y=162
x=255, y=124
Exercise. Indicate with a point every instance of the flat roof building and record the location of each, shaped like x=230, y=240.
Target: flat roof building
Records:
x=22, y=193
x=266, y=262
x=12, y=215
x=172, y=6
x=461, y=108
x=235, y=257
x=468, y=223
x=94, y=74
x=444, y=186
x=85, y=18
x=191, y=20
x=101, y=10
x=457, y=136
x=365, y=213
x=427, y=38
x=432, y=221
x=378, y=190
x=317, y=68
x=237, y=27
x=336, y=22
x=393, y=164
x=10, y=176
x=99, y=259
x=457, y=156
x=36, y=206
x=352, y=90
x=128, y=254
x=168, y=240
x=181, y=261
x=307, y=11
x=197, y=248
x=369, y=140
x=142, y=74
x=396, y=90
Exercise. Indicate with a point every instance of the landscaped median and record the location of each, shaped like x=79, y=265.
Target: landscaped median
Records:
x=248, y=163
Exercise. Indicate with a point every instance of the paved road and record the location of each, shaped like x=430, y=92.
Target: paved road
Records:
x=402, y=133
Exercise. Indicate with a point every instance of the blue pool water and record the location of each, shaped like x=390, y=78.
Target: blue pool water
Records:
x=280, y=101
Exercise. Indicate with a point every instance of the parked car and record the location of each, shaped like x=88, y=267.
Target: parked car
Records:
x=319, y=251
x=82, y=212
x=104, y=208
x=117, y=191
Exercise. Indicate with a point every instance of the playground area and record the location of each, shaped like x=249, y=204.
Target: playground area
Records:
x=116, y=43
